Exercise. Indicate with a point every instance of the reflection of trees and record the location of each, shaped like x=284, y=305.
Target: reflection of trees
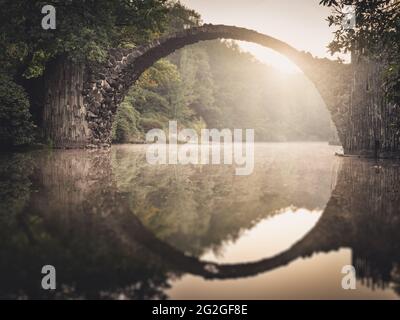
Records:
x=195, y=208
x=67, y=208
x=64, y=224
x=15, y=183
x=362, y=214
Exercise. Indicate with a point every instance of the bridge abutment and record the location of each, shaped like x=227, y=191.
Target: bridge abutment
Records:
x=372, y=121
x=64, y=110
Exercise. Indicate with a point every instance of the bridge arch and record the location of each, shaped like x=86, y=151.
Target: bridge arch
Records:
x=109, y=82
x=325, y=236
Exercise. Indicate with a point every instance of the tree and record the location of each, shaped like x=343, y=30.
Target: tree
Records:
x=376, y=35
x=157, y=97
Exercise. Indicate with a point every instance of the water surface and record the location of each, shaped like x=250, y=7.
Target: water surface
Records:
x=117, y=227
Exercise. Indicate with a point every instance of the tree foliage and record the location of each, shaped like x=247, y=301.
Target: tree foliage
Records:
x=376, y=35
x=85, y=31
x=16, y=127
x=157, y=97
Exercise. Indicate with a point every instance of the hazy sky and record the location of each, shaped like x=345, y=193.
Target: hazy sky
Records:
x=300, y=23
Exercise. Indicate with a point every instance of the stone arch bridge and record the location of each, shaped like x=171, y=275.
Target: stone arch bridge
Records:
x=83, y=116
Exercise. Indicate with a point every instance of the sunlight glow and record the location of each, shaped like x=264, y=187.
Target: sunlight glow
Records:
x=270, y=57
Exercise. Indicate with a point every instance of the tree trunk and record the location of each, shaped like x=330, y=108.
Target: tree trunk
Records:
x=64, y=112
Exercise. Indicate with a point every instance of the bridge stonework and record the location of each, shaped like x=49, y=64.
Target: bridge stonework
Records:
x=105, y=86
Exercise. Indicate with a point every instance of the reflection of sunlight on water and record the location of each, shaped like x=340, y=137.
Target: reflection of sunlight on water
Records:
x=269, y=237
x=315, y=277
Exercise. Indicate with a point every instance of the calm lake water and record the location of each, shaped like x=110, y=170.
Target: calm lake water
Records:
x=116, y=227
